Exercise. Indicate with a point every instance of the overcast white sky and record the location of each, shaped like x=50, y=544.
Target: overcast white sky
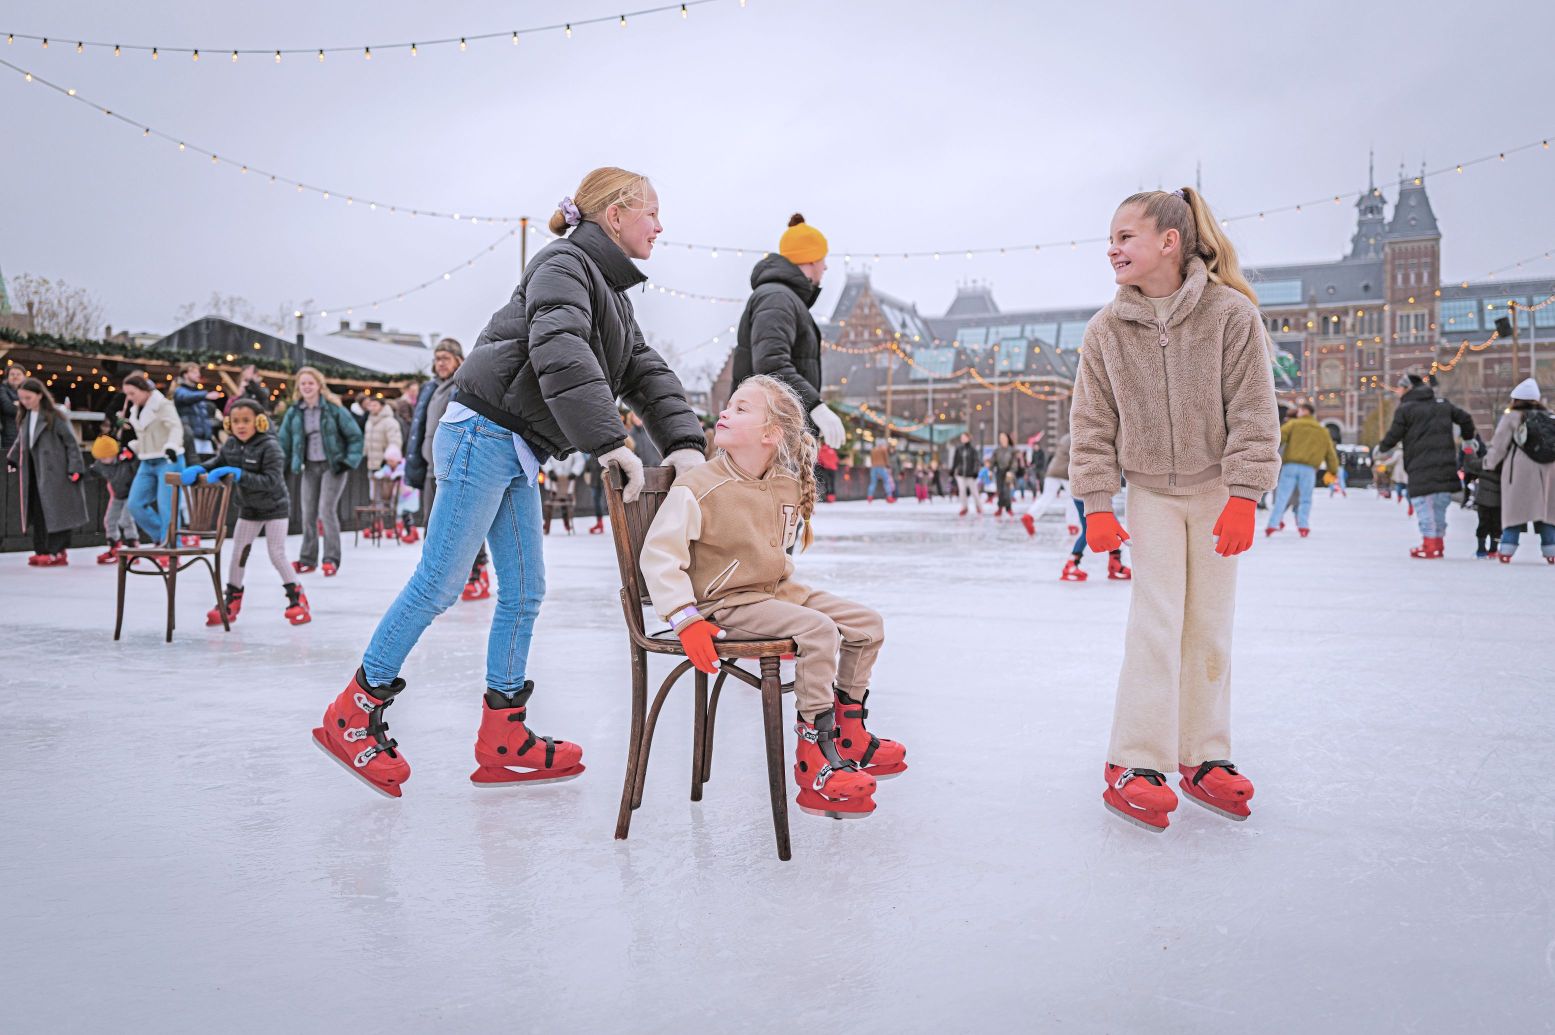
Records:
x=892, y=124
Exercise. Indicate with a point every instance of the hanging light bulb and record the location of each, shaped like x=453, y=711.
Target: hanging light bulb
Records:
x=515, y=38
x=465, y=46
x=683, y=12
x=568, y=30
x=45, y=43
x=623, y=21
x=180, y=145
x=367, y=53
x=321, y=55
x=28, y=76
x=412, y=50
x=196, y=55
x=115, y=50
x=154, y=54
x=234, y=57
x=79, y=47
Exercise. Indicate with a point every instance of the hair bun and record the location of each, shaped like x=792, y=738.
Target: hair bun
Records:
x=795, y=219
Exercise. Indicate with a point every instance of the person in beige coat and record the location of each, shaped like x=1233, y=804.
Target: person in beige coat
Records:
x=1527, y=486
x=718, y=549
x=1175, y=392
x=381, y=431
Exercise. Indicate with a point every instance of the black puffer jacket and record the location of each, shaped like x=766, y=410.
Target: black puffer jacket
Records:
x=966, y=461
x=261, y=492
x=1489, y=492
x=777, y=334
x=1424, y=424
x=550, y=363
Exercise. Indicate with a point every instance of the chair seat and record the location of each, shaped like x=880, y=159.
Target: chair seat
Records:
x=162, y=551
x=667, y=642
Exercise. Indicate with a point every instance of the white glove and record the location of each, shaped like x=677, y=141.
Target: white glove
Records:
x=683, y=460
x=830, y=425
x=631, y=469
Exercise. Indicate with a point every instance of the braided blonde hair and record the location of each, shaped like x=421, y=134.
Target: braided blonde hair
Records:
x=796, y=448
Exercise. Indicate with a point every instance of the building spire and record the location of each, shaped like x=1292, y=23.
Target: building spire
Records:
x=1371, y=170
x=5, y=299
x=1198, y=176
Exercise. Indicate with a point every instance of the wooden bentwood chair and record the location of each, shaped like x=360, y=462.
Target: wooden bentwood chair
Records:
x=206, y=504
x=629, y=525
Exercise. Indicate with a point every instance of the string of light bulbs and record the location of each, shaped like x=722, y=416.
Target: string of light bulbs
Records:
x=1495, y=336
x=412, y=48
x=716, y=250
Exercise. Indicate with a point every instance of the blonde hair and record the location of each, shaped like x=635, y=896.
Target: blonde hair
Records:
x=324, y=390
x=599, y=190
x=797, y=447
x=1186, y=211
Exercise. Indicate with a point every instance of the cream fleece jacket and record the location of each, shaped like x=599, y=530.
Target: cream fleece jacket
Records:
x=719, y=539
x=1181, y=406
x=157, y=428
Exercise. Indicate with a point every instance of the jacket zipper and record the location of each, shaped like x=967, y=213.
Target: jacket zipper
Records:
x=719, y=580
x=1166, y=381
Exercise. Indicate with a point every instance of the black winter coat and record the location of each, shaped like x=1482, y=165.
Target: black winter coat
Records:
x=415, y=463
x=550, y=364
x=50, y=461
x=261, y=492
x=1489, y=492
x=966, y=461
x=777, y=334
x=119, y=475
x=1424, y=424
x=10, y=406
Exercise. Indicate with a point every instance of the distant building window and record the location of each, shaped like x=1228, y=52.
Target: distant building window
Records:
x=1048, y=332
x=1008, y=331
x=973, y=336
x=1278, y=292
x=1070, y=335
x=1013, y=353
x=1460, y=314
x=932, y=362
x=1545, y=317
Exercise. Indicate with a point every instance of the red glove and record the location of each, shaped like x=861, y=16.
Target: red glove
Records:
x=1103, y=533
x=698, y=639
x=76, y=476
x=1234, y=529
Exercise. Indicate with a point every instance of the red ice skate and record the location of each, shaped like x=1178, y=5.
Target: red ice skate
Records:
x=354, y=734
x=1271, y=529
x=1218, y=787
x=1030, y=524
x=330, y=569
x=1072, y=572
x=478, y=587
x=1429, y=548
x=297, y=611
x=1116, y=569
x=410, y=535
x=234, y=605
x=1303, y=532
x=829, y=785
x=111, y=555
x=507, y=752
x=881, y=759
x=1074, y=529
x=1139, y=796
x=303, y=569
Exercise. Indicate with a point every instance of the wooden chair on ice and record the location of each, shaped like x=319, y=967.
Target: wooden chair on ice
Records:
x=205, y=503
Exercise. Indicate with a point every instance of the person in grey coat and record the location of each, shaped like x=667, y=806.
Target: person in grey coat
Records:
x=1527, y=486
x=48, y=459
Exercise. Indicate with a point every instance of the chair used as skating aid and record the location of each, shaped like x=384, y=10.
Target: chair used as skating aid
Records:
x=561, y=498
x=629, y=525
x=200, y=510
x=378, y=516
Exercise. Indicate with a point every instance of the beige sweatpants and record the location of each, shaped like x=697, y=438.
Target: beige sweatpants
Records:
x=838, y=641
x=1174, y=693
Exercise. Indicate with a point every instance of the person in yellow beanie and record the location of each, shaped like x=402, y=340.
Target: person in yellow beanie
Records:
x=777, y=334
x=116, y=466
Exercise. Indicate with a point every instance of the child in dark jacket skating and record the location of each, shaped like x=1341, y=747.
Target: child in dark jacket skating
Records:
x=116, y=467
x=253, y=457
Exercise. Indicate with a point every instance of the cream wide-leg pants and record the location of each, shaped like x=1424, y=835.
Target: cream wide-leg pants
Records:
x=1174, y=693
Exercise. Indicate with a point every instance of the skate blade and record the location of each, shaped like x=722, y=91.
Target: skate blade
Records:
x=499, y=776
x=1141, y=824
x=834, y=814
x=889, y=772
x=1216, y=808
x=323, y=745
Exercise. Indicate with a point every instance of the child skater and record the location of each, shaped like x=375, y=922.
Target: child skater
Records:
x=1176, y=392
x=718, y=549
x=116, y=467
x=410, y=497
x=257, y=464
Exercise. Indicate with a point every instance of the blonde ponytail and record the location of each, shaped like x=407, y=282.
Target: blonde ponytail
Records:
x=599, y=190
x=1186, y=211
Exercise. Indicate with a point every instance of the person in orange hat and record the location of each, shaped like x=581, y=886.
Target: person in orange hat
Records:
x=777, y=334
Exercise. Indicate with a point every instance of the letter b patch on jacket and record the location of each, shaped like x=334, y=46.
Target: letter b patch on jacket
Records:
x=790, y=525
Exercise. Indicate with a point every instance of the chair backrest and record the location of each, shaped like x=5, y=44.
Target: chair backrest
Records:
x=202, y=510
x=386, y=491
x=629, y=526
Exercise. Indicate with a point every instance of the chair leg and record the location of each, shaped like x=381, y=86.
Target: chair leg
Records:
x=171, y=584
x=221, y=596
x=712, y=717
x=698, y=735
x=771, y=705
x=634, y=742
x=118, y=621
x=652, y=724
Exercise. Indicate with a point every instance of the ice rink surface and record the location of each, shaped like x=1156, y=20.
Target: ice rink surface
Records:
x=175, y=855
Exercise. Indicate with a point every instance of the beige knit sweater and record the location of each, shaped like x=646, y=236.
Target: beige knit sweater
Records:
x=1180, y=407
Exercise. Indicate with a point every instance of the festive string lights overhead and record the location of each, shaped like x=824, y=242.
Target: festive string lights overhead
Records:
x=1515, y=308
x=411, y=48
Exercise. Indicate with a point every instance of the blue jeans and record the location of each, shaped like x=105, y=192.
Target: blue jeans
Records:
x=881, y=476
x=151, y=501
x=1431, y=513
x=482, y=496
x=1298, y=479
x=1079, y=543
x=1510, y=537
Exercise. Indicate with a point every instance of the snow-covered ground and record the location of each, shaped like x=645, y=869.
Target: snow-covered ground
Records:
x=177, y=856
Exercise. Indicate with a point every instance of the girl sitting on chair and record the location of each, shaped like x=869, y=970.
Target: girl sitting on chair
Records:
x=718, y=548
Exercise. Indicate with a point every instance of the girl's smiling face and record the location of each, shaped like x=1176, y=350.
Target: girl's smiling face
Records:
x=1138, y=251
x=743, y=423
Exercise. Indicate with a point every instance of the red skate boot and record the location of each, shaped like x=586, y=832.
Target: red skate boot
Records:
x=1030, y=524
x=303, y=569
x=1139, y=796
x=1072, y=572
x=1218, y=787
x=234, y=605
x=330, y=569
x=479, y=585
x=598, y=527
x=1430, y=548
x=1303, y=532
x=829, y=785
x=1116, y=569
x=111, y=555
x=881, y=759
x=410, y=535
x=1074, y=529
x=354, y=734
x=505, y=742
x=297, y=611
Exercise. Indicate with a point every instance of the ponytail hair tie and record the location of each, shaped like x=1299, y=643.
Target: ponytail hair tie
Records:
x=1178, y=193
x=570, y=212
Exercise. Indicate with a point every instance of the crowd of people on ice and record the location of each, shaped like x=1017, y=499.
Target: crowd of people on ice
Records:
x=1174, y=428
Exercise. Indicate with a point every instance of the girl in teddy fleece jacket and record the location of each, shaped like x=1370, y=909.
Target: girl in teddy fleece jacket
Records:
x=1176, y=392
